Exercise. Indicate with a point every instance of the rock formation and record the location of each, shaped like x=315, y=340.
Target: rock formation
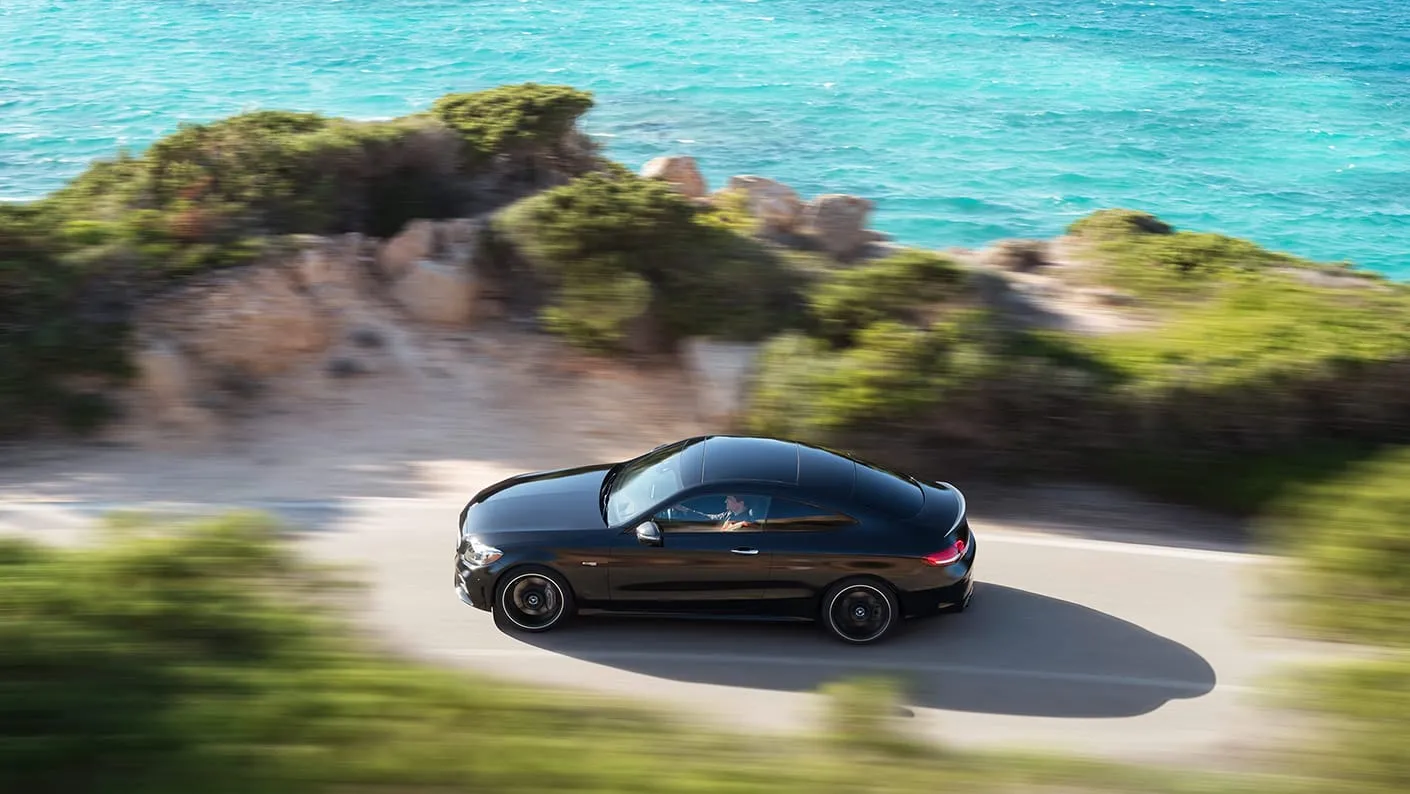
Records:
x=681, y=172
x=839, y=224
x=775, y=205
x=324, y=303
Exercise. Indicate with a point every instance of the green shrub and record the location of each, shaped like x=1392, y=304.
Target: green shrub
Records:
x=891, y=373
x=512, y=118
x=210, y=661
x=898, y=287
x=1349, y=580
x=1120, y=223
x=54, y=324
x=729, y=211
x=1255, y=330
x=1350, y=535
x=613, y=247
x=1140, y=253
x=1365, y=724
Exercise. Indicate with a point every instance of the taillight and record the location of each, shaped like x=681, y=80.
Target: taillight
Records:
x=949, y=556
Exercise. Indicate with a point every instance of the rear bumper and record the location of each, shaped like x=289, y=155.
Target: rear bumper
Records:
x=957, y=585
x=920, y=603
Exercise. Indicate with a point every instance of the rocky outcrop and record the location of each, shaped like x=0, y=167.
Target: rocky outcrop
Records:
x=437, y=293
x=164, y=378
x=323, y=302
x=680, y=171
x=415, y=242
x=1021, y=256
x=775, y=206
x=721, y=374
x=253, y=321
x=839, y=224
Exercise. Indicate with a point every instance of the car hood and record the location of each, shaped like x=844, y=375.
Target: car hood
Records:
x=561, y=499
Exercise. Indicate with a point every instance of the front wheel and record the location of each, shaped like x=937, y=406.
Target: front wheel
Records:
x=860, y=612
x=532, y=600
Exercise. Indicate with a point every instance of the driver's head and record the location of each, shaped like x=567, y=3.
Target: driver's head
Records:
x=734, y=504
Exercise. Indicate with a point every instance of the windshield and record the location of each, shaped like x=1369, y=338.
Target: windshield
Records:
x=644, y=482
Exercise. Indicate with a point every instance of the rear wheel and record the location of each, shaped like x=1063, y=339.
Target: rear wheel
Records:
x=860, y=611
x=532, y=600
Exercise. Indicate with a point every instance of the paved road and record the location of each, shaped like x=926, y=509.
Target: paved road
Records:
x=1083, y=645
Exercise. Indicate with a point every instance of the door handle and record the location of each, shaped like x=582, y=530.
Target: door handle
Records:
x=745, y=551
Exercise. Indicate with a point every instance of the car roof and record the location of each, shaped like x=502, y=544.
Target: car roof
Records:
x=806, y=470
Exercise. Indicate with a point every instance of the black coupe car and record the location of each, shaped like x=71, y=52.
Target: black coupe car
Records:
x=723, y=526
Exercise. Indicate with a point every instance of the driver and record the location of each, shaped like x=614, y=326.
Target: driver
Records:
x=737, y=514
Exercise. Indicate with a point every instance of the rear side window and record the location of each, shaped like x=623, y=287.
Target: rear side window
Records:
x=887, y=491
x=786, y=515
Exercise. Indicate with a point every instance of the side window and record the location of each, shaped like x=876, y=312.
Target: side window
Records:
x=786, y=515
x=715, y=512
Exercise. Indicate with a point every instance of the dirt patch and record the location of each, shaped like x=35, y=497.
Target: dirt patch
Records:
x=438, y=413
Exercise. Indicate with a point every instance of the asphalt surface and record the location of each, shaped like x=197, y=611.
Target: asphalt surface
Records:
x=1071, y=644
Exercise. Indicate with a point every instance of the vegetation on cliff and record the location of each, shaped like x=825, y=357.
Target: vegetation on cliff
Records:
x=1252, y=356
x=220, y=194
x=617, y=253
x=1249, y=359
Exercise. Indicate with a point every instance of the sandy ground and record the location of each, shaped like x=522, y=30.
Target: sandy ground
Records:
x=445, y=411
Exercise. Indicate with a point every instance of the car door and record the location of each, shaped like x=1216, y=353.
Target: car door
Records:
x=813, y=545
x=701, y=565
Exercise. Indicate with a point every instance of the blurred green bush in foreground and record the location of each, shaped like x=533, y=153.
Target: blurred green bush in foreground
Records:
x=210, y=658
x=1349, y=537
x=205, y=658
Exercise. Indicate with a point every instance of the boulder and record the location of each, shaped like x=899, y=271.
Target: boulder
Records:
x=256, y=320
x=437, y=293
x=1018, y=255
x=839, y=223
x=680, y=171
x=164, y=380
x=332, y=270
x=414, y=243
x=458, y=240
x=775, y=205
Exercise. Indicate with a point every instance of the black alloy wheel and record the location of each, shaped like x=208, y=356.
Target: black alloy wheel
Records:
x=860, y=611
x=532, y=600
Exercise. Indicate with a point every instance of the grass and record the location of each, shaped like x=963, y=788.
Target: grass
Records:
x=209, y=660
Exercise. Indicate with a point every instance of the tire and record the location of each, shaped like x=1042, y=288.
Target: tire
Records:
x=860, y=611
x=532, y=600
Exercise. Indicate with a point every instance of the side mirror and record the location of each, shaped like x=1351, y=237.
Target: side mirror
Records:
x=648, y=534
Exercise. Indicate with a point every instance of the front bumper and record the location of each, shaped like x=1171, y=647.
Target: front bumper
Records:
x=473, y=585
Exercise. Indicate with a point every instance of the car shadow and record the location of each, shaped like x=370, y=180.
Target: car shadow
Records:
x=1013, y=652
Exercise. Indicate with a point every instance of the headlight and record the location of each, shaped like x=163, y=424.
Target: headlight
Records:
x=479, y=554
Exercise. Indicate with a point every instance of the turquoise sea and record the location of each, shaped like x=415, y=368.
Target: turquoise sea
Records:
x=1285, y=121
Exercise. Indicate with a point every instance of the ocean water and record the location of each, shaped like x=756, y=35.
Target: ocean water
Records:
x=1285, y=121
